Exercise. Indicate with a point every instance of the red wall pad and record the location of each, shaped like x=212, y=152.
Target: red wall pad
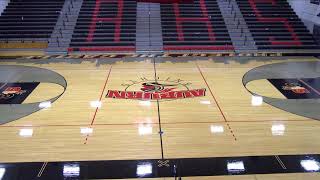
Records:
x=295, y=40
x=187, y=48
x=166, y=1
x=117, y=20
x=114, y=48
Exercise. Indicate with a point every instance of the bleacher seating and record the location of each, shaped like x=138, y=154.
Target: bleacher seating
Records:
x=105, y=25
x=29, y=20
x=194, y=26
x=275, y=26
x=110, y=25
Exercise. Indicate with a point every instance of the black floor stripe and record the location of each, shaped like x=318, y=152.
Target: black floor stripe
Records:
x=157, y=168
x=158, y=109
x=160, y=129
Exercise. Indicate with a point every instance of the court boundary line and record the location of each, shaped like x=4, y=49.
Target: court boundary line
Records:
x=216, y=102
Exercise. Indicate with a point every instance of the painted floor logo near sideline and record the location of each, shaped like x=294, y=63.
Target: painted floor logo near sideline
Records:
x=158, y=89
x=305, y=88
x=16, y=93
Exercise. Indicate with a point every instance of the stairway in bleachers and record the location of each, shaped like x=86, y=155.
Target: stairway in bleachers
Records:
x=197, y=26
x=275, y=26
x=239, y=32
x=61, y=36
x=29, y=20
x=148, y=28
x=3, y=5
x=105, y=25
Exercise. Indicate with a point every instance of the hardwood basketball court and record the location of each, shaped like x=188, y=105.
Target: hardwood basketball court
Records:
x=96, y=119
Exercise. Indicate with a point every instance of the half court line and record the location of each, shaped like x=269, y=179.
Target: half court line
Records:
x=158, y=110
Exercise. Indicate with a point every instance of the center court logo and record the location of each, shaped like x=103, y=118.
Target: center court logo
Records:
x=159, y=89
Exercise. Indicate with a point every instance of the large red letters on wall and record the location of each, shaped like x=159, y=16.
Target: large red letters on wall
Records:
x=260, y=18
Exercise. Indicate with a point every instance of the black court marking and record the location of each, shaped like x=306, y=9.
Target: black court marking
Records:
x=313, y=84
x=157, y=168
x=160, y=129
x=158, y=110
x=17, y=171
x=307, y=88
x=16, y=93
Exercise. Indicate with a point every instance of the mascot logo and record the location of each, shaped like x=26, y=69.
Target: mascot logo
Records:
x=158, y=89
x=296, y=88
x=10, y=92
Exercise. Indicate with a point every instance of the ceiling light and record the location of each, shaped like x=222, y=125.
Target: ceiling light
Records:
x=278, y=129
x=216, y=129
x=310, y=165
x=144, y=169
x=71, y=170
x=26, y=132
x=145, y=129
x=235, y=166
x=86, y=130
x=96, y=104
x=256, y=100
x=205, y=102
x=145, y=103
x=45, y=105
x=2, y=172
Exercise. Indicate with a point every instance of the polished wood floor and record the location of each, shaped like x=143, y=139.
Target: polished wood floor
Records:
x=187, y=124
